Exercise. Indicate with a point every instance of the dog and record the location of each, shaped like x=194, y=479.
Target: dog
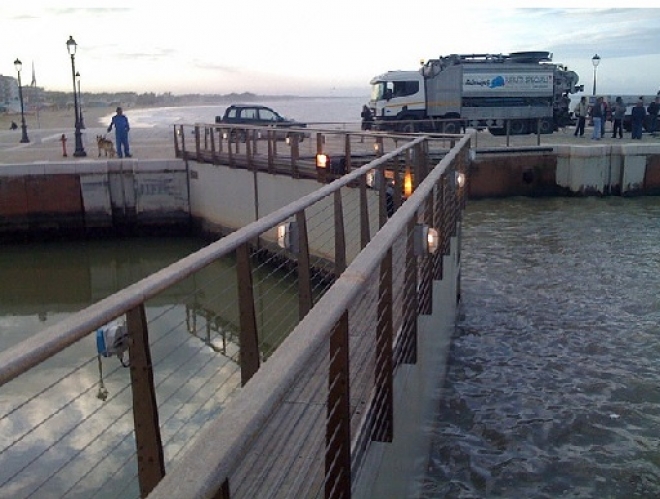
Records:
x=105, y=146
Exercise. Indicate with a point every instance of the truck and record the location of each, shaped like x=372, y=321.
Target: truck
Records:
x=517, y=93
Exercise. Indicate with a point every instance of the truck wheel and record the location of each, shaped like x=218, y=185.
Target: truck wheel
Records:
x=451, y=127
x=518, y=127
x=497, y=130
x=409, y=127
x=546, y=126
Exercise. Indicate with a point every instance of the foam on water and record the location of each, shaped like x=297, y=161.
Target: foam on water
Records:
x=553, y=388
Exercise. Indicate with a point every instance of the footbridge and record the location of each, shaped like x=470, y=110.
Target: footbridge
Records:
x=323, y=334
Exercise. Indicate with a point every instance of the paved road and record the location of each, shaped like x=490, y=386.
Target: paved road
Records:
x=157, y=143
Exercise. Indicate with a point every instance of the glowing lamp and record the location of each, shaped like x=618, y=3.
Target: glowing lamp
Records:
x=407, y=184
x=287, y=236
x=427, y=240
x=322, y=160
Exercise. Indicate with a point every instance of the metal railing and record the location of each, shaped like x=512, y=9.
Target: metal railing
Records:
x=274, y=372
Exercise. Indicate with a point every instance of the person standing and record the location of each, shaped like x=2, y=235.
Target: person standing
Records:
x=618, y=113
x=120, y=122
x=637, y=116
x=581, y=109
x=597, y=117
x=367, y=118
x=653, y=109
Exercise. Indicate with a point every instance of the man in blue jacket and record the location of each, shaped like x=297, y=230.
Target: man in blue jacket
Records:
x=120, y=122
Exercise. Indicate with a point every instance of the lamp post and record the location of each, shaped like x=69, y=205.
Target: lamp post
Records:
x=80, y=114
x=24, y=137
x=595, y=60
x=71, y=46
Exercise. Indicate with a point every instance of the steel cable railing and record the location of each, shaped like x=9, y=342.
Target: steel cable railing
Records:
x=196, y=347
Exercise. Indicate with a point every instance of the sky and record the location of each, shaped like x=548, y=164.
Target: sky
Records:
x=306, y=47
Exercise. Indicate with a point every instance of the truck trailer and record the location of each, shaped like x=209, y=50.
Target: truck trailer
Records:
x=518, y=93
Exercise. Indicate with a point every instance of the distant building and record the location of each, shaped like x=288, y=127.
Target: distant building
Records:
x=9, y=101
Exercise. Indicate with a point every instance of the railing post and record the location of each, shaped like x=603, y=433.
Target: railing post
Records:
x=304, y=270
x=151, y=463
x=426, y=273
x=340, y=235
x=438, y=223
x=295, y=155
x=398, y=190
x=447, y=211
x=249, y=136
x=230, y=151
x=271, y=151
x=347, y=152
x=214, y=154
x=410, y=300
x=382, y=197
x=338, y=423
x=198, y=147
x=365, y=233
x=248, y=336
x=178, y=130
x=384, y=398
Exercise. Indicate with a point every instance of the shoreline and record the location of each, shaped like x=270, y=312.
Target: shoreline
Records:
x=55, y=119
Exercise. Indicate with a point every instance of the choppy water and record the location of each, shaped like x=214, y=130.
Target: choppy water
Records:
x=553, y=385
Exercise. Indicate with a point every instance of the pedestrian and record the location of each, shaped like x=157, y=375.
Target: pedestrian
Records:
x=618, y=113
x=367, y=118
x=597, y=117
x=606, y=113
x=13, y=126
x=580, y=111
x=637, y=116
x=653, y=109
x=120, y=122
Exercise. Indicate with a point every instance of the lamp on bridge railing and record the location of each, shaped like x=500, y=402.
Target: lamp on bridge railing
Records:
x=427, y=240
x=457, y=180
x=322, y=160
x=407, y=183
x=287, y=236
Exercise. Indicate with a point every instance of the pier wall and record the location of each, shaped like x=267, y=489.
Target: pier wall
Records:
x=87, y=196
x=105, y=195
x=625, y=169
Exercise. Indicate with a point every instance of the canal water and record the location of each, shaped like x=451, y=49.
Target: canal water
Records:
x=553, y=384
x=76, y=401
x=552, y=387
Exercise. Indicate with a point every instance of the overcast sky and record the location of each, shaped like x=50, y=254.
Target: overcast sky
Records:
x=306, y=47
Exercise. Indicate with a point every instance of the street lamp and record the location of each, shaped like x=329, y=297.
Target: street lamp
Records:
x=82, y=121
x=71, y=46
x=19, y=66
x=595, y=60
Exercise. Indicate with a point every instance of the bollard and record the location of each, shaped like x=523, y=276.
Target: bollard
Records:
x=63, y=140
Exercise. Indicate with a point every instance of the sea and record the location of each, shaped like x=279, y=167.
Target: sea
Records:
x=553, y=382
x=310, y=110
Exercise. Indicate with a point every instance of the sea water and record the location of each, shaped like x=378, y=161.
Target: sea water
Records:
x=553, y=384
x=311, y=110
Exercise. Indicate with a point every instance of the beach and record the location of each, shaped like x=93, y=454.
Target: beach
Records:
x=45, y=132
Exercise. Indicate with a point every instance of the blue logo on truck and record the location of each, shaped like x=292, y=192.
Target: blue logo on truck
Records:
x=498, y=81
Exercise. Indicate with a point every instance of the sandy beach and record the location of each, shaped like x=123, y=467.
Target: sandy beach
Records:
x=54, y=119
x=46, y=129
